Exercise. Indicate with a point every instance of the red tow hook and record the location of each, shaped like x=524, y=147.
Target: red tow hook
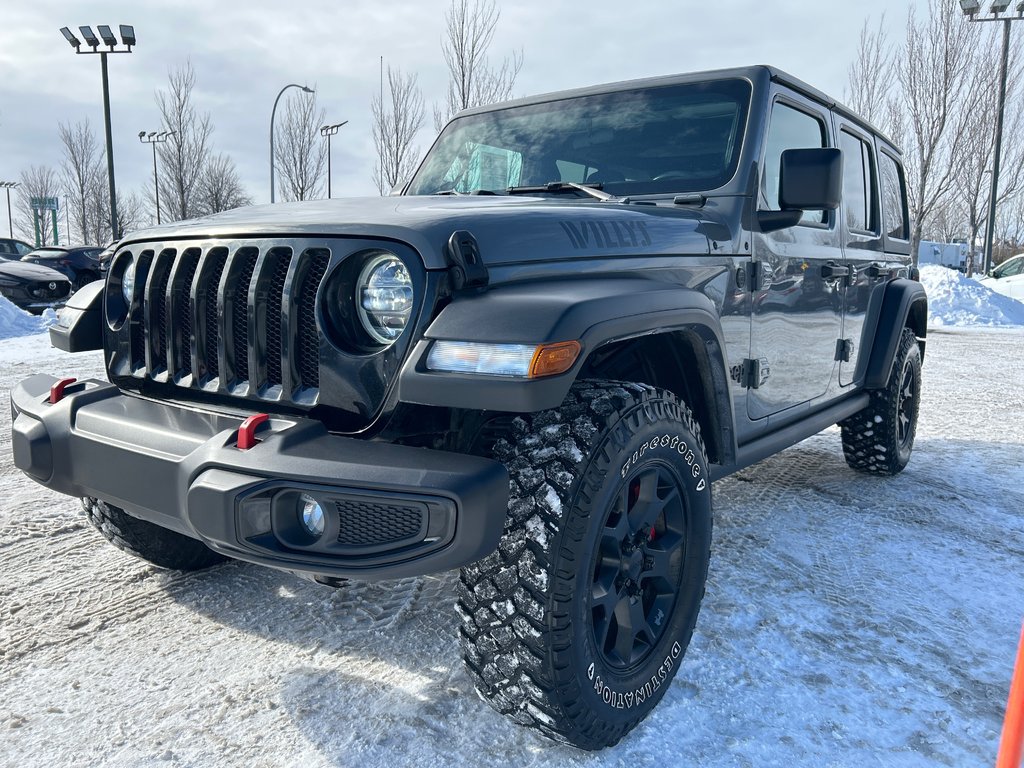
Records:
x=247, y=431
x=57, y=390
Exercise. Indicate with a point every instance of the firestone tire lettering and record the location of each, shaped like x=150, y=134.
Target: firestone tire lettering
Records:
x=527, y=624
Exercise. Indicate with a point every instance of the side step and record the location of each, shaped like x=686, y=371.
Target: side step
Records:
x=773, y=442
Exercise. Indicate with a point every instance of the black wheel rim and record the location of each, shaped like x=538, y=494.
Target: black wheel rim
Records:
x=637, y=566
x=905, y=407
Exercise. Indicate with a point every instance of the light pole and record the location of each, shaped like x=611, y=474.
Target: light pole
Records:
x=273, y=113
x=128, y=38
x=154, y=138
x=328, y=131
x=971, y=9
x=9, y=185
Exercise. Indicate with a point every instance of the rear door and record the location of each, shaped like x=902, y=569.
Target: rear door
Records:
x=863, y=248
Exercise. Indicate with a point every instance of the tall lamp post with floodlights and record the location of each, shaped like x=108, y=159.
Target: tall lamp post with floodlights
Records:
x=128, y=39
x=971, y=9
x=9, y=185
x=273, y=113
x=328, y=131
x=154, y=138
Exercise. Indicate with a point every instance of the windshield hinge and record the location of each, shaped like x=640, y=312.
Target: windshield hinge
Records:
x=751, y=373
x=844, y=350
x=467, y=268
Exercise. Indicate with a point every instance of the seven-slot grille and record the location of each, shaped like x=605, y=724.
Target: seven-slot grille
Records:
x=237, y=318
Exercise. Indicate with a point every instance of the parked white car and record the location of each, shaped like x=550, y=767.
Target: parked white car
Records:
x=1008, y=278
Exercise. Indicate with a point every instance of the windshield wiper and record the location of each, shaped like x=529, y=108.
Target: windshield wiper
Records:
x=461, y=194
x=563, y=186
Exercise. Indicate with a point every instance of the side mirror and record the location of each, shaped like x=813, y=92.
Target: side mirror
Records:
x=809, y=180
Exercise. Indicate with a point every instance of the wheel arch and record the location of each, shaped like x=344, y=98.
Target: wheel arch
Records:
x=904, y=304
x=687, y=362
x=675, y=331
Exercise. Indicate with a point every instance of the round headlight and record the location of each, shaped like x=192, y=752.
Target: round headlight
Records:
x=384, y=298
x=128, y=281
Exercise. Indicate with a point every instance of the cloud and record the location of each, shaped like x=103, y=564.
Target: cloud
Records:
x=244, y=54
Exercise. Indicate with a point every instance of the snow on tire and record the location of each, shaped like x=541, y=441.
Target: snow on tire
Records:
x=880, y=439
x=159, y=546
x=578, y=622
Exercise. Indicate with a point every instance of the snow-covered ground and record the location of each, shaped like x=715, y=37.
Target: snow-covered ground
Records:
x=849, y=621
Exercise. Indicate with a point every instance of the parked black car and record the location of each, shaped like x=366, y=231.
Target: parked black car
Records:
x=32, y=286
x=105, y=256
x=13, y=250
x=78, y=264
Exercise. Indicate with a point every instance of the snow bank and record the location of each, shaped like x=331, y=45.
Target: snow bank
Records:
x=954, y=299
x=17, y=322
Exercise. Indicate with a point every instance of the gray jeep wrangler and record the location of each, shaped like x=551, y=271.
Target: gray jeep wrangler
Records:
x=530, y=365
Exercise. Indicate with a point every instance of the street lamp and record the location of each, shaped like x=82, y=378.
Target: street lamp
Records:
x=109, y=40
x=328, y=131
x=154, y=138
x=273, y=112
x=971, y=9
x=9, y=185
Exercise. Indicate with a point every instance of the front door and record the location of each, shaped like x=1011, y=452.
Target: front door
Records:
x=796, y=316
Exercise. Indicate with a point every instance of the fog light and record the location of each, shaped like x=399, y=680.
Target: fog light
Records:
x=311, y=516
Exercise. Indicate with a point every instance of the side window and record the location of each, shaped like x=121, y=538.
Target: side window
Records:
x=1012, y=267
x=894, y=195
x=22, y=249
x=858, y=186
x=789, y=129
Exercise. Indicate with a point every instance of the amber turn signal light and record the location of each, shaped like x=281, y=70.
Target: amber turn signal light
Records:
x=552, y=359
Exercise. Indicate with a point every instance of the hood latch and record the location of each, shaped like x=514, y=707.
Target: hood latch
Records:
x=467, y=268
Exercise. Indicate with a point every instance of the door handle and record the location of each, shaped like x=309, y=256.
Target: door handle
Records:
x=832, y=270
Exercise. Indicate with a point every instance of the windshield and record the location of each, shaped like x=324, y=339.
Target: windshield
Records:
x=679, y=138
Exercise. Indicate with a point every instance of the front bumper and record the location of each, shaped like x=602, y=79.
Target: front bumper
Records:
x=392, y=510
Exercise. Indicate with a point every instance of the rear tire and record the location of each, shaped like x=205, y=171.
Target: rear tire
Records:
x=880, y=439
x=156, y=545
x=577, y=624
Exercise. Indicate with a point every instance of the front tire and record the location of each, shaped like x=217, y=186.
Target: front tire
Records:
x=156, y=545
x=577, y=624
x=880, y=439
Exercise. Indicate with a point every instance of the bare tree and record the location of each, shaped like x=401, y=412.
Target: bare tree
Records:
x=394, y=130
x=973, y=182
x=37, y=181
x=132, y=213
x=184, y=155
x=82, y=172
x=933, y=72
x=870, y=76
x=472, y=80
x=299, y=153
x=220, y=188
x=1011, y=223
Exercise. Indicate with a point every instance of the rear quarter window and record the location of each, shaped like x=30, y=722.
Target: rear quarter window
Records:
x=894, y=198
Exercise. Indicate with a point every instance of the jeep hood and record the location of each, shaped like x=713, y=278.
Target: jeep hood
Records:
x=508, y=229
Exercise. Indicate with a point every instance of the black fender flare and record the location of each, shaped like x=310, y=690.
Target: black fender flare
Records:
x=593, y=311
x=904, y=304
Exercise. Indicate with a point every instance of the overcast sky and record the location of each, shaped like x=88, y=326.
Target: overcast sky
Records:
x=243, y=55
